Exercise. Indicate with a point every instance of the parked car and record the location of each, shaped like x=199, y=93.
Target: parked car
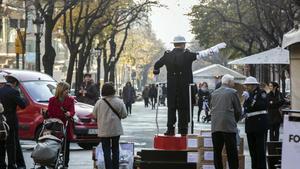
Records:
x=36, y=88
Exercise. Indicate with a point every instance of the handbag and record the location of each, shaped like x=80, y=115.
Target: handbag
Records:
x=114, y=110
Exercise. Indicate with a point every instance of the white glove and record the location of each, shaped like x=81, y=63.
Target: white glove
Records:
x=220, y=45
x=155, y=78
x=246, y=95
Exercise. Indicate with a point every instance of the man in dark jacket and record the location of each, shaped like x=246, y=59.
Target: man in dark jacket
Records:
x=10, y=99
x=89, y=92
x=179, y=76
x=128, y=96
x=256, y=123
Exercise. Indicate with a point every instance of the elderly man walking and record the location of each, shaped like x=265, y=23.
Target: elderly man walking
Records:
x=225, y=113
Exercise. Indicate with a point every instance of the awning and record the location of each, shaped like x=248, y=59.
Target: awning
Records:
x=216, y=70
x=291, y=37
x=276, y=55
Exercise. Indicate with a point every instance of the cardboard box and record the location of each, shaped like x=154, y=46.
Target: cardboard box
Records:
x=205, y=133
x=206, y=165
x=240, y=148
x=241, y=162
x=205, y=142
x=192, y=142
x=206, y=155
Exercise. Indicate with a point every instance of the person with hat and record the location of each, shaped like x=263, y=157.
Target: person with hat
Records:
x=10, y=98
x=179, y=76
x=256, y=123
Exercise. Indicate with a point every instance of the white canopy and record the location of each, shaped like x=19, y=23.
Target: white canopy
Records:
x=216, y=70
x=276, y=55
x=291, y=37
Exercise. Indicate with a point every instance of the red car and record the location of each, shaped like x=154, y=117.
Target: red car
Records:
x=36, y=88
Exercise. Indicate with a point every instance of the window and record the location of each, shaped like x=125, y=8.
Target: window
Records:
x=13, y=23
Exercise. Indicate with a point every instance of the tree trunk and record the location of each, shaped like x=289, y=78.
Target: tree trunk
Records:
x=71, y=67
x=49, y=56
x=145, y=74
x=112, y=73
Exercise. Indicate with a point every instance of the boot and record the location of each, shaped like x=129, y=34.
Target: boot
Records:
x=170, y=132
x=183, y=132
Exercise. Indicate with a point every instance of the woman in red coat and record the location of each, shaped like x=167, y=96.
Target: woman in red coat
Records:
x=61, y=106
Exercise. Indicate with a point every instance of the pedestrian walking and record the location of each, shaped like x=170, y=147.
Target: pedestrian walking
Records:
x=203, y=101
x=89, y=91
x=164, y=94
x=256, y=123
x=275, y=100
x=225, y=113
x=153, y=96
x=109, y=111
x=145, y=95
x=128, y=96
x=10, y=99
x=179, y=76
x=61, y=106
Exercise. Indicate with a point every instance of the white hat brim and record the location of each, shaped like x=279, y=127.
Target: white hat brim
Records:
x=179, y=42
x=250, y=83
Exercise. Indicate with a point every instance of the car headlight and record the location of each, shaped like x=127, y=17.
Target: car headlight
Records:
x=76, y=119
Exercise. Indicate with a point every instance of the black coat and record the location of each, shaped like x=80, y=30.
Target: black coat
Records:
x=275, y=101
x=92, y=93
x=257, y=101
x=10, y=99
x=179, y=75
x=153, y=92
x=128, y=95
x=203, y=96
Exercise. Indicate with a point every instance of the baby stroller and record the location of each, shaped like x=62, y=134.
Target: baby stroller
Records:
x=207, y=117
x=50, y=149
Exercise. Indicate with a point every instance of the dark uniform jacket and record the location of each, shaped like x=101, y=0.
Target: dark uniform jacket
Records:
x=179, y=75
x=10, y=99
x=92, y=94
x=257, y=101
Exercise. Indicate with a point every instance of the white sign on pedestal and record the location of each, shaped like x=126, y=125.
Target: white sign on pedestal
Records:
x=291, y=144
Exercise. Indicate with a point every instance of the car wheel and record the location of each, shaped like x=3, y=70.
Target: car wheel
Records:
x=87, y=146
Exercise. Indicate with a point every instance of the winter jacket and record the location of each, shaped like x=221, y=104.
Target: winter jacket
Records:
x=109, y=124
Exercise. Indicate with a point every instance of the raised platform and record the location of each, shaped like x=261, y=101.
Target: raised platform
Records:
x=176, y=142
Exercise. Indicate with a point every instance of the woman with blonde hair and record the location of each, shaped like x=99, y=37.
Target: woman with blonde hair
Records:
x=61, y=106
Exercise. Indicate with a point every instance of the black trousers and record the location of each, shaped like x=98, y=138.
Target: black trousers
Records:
x=257, y=149
x=19, y=154
x=229, y=139
x=128, y=107
x=146, y=101
x=183, y=119
x=9, y=146
x=274, y=132
x=153, y=102
x=110, y=147
x=67, y=153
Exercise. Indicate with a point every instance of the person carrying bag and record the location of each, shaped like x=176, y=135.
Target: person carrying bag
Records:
x=109, y=111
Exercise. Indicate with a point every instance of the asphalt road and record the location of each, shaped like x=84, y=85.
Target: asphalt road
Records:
x=139, y=128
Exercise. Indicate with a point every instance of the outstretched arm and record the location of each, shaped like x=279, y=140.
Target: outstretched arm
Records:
x=210, y=51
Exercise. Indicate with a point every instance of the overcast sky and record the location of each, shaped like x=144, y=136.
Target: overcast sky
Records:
x=171, y=21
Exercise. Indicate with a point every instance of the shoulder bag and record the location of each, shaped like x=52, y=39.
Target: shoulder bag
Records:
x=114, y=110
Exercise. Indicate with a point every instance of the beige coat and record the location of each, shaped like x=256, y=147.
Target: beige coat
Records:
x=109, y=124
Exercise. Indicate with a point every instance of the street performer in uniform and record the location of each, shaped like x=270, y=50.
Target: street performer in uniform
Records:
x=179, y=76
x=256, y=123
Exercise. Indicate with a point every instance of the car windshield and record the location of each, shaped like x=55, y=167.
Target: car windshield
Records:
x=40, y=91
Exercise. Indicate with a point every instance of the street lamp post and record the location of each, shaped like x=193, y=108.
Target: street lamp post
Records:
x=38, y=22
x=98, y=55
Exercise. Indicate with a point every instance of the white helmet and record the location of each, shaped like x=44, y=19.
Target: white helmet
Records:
x=250, y=80
x=2, y=78
x=179, y=39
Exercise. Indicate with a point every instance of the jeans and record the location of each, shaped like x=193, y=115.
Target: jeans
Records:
x=110, y=147
x=229, y=139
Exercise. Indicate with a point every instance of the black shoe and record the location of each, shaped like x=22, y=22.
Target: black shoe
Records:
x=170, y=132
x=183, y=134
